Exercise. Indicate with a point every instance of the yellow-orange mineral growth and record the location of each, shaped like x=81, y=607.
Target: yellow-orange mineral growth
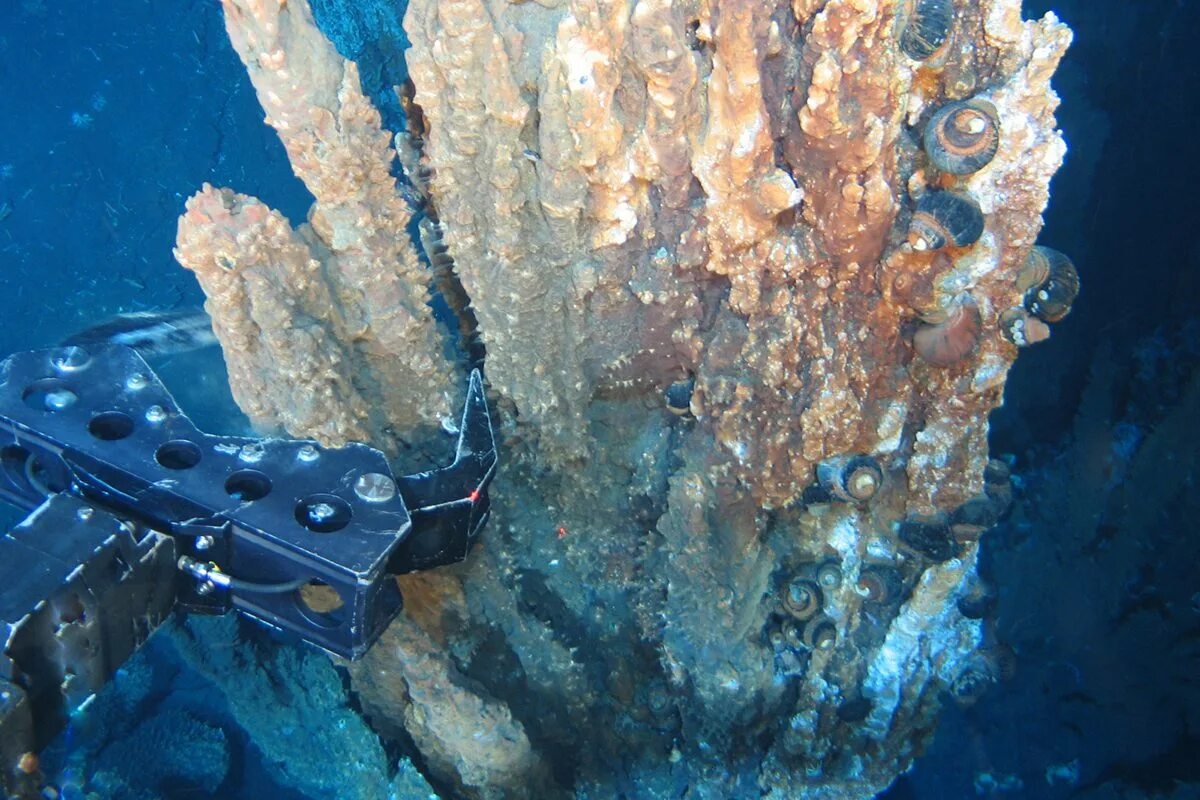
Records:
x=325, y=329
x=750, y=277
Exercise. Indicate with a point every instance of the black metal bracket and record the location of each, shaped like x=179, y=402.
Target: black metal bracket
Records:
x=301, y=537
x=80, y=591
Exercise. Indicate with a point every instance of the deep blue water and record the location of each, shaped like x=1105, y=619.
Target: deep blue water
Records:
x=112, y=114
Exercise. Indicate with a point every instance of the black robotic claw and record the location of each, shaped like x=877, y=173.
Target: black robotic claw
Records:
x=301, y=537
x=134, y=512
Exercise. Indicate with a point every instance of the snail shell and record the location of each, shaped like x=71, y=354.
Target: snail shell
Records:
x=776, y=637
x=820, y=633
x=679, y=397
x=803, y=599
x=880, y=584
x=974, y=681
x=1035, y=270
x=963, y=137
x=975, y=517
x=926, y=27
x=1022, y=328
x=829, y=575
x=945, y=218
x=932, y=538
x=998, y=485
x=949, y=342
x=978, y=602
x=1050, y=299
x=853, y=479
x=29, y=763
x=793, y=636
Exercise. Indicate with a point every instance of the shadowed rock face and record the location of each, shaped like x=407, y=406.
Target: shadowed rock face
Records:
x=618, y=200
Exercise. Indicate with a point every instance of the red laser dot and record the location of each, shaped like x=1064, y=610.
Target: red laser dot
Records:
x=561, y=531
x=473, y=496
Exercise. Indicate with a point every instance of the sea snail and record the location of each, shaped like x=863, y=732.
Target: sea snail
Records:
x=803, y=599
x=820, y=633
x=930, y=537
x=879, y=584
x=829, y=575
x=679, y=397
x=952, y=338
x=1022, y=328
x=945, y=218
x=963, y=137
x=852, y=479
x=1050, y=282
x=926, y=27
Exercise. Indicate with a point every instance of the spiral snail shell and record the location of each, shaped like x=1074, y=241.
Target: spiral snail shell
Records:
x=853, y=479
x=925, y=27
x=945, y=218
x=1051, y=283
x=880, y=584
x=829, y=575
x=978, y=601
x=820, y=633
x=963, y=137
x=803, y=599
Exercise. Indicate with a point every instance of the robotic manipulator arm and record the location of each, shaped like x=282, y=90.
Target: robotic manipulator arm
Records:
x=133, y=512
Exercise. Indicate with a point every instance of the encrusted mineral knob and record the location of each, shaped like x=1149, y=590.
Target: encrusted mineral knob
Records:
x=963, y=137
x=925, y=27
x=854, y=479
x=945, y=218
x=803, y=598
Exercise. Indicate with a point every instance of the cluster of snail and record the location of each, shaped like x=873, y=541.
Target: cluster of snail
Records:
x=804, y=626
x=961, y=138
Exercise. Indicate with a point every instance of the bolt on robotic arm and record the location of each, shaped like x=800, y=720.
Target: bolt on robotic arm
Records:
x=134, y=512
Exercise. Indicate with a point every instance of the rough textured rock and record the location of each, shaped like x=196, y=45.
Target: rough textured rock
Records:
x=326, y=328
x=632, y=196
x=408, y=683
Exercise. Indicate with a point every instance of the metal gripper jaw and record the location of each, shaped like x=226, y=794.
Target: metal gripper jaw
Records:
x=449, y=506
x=302, y=537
